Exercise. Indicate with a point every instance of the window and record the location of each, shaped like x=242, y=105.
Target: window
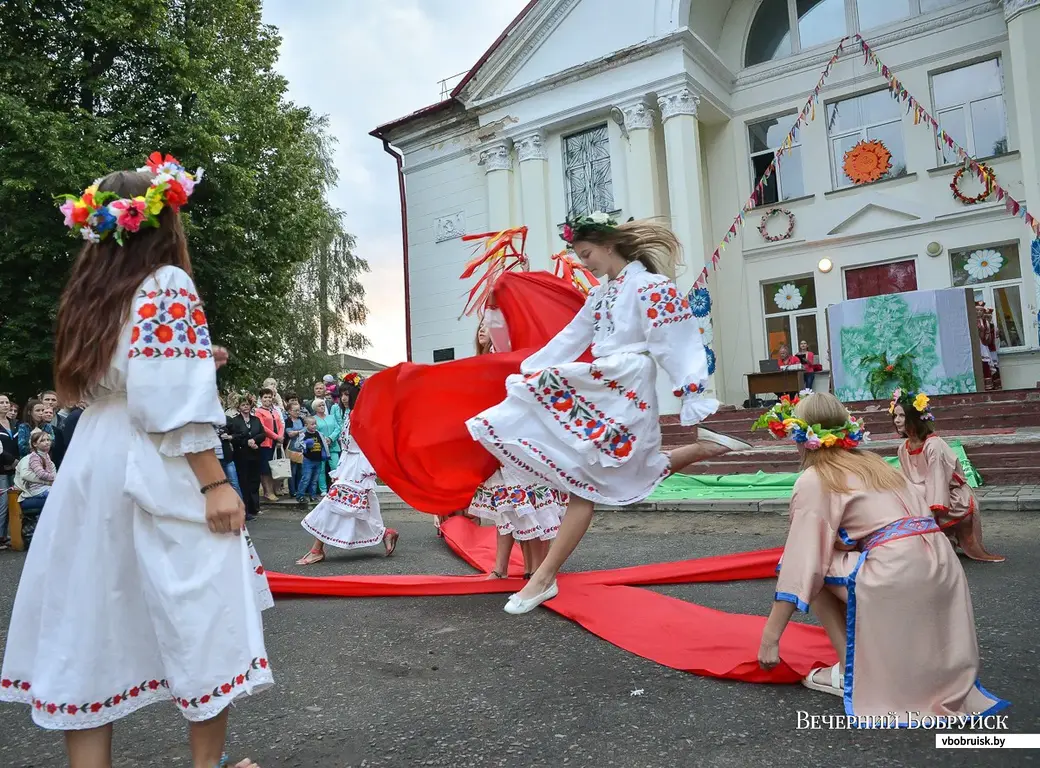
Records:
x=881, y=279
x=786, y=182
x=784, y=27
x=862, y=118
x=970, y=107
x=790, y=312
x=995, y=272
x=443, y=355
x=873, y=14
x=586, y=162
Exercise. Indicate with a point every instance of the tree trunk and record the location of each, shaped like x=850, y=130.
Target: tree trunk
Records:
x=323, y=298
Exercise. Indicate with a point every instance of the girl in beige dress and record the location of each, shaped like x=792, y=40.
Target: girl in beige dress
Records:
x=866, y=555
x=932, y=466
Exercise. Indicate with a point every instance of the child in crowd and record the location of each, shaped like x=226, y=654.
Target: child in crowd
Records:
x=315, y=454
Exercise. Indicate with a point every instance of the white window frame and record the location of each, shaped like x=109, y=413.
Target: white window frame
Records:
x=791, y=314
x=771, y=152
x=563, y=156
x=838, y=175
x=988, y=288
x=965, y=106
x=893, y=260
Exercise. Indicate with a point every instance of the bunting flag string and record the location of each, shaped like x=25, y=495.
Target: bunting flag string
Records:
x=808, y=113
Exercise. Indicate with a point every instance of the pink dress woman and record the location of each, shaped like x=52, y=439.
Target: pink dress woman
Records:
x=935, y=470
x=910, y=645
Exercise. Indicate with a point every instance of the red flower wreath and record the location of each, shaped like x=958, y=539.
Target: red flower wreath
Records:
x=867, y=161
x=769, y=215
x=991, y=184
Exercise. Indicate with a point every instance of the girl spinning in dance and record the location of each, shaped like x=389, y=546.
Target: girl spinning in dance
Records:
x=932, y=466
x=348, y=517
x=591, y=429
x=140, y=585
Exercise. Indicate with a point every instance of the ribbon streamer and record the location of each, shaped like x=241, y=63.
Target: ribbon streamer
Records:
x=573, y=271
x=499, y=254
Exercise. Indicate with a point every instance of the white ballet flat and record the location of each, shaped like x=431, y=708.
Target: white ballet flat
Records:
x=707, y=435
x=516, y=606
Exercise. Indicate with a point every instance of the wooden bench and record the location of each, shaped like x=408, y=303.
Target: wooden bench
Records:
x=14, y=520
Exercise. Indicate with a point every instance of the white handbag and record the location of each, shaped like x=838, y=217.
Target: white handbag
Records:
x=281, y=467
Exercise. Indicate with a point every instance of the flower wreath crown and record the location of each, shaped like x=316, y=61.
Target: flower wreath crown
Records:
x=919, y=402
x=95, y=216
x=780, y=420
x=353, y=378
x=579, y=225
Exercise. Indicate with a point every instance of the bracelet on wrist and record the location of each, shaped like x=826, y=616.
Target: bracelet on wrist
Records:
x=207, y=488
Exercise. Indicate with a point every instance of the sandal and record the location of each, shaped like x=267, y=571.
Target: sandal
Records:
x=527, y=576
x=496, y=575
x=390, y=541
x=247, y=763
x=312, y=557
x=835, y=685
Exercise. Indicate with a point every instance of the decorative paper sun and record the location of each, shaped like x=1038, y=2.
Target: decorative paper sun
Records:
x=788, y=297
x=707, y=335
x=867, y=161
x=982, y=265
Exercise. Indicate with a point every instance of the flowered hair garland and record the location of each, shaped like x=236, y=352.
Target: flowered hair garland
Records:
x=95, y=215
x=354, y=379
x=581, y=225
x=780, y=420
x=919, y=402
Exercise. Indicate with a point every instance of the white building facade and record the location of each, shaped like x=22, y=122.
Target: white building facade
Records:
x=672, y=108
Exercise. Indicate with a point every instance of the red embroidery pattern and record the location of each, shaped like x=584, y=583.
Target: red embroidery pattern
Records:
x=226, y=688
x=346, y=496
x=615, y=386
x=664, y=304
x=169, y=324
x=490, y=499
x=340, y=542
x=579, y=417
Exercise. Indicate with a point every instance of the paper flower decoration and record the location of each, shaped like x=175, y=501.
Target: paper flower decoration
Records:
x=788, y=297
x=707, y=334
x=983, y=264
x=711, y=360
x=700, y=302
x=867, y=161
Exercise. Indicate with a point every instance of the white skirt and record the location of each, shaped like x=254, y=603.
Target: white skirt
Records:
x=526, y=512
x=118, y=607
x=590, y=430
x=348, y=517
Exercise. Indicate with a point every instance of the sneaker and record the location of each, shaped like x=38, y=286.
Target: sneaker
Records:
x=708, y=436
x=301, y=501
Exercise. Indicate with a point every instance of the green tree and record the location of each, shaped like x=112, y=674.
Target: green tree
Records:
x=88, y=86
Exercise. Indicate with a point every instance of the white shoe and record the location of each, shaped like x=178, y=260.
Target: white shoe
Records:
x=708, y=436
x=837, y=682
x=516, y=606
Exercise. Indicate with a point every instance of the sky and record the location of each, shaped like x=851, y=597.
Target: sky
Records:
x=364, y=63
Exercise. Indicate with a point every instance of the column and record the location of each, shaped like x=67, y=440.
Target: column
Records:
x=685, y=170
x=542, y=241
x=497, y=160
x=1023, y=20
x=644, y=183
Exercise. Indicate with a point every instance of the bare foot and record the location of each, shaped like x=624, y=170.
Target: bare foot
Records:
x=390, y=541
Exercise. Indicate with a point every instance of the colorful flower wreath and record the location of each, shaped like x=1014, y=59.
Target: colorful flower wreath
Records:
x=919, y=402
x=780, y=420
x=354, y=379
x=94, y=215
x=987, y=173
x=867, y=161
x=766, y=219
x=574, y=228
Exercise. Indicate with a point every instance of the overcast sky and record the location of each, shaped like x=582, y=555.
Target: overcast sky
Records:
x=364, y=63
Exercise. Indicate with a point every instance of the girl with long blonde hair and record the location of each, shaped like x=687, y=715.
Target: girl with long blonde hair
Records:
x=591, y=429
x=865, y=554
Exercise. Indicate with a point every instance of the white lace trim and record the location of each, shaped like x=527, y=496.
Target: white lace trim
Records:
x=191, y=438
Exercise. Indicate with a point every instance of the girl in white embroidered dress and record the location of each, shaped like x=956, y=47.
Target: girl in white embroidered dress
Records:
x=348, y=517
x=591, y=429
x=138, y=588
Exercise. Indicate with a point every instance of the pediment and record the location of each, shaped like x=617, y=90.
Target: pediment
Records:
x=876, y=215
x=556, y=36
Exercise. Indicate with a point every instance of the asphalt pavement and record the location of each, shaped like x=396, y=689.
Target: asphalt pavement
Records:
x=455, y=682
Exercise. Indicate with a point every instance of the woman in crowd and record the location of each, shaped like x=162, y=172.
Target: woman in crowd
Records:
x=272, y=384
x=247, y=435
x=865, y=555
x=294, y=427
x=9, y=455
x=330, y=429
x=931, y=465
x=348, y=517
x=321, y=392
x=592, y=429
x=809, y=365
x=139, y=586
x=274, y=433
x=35, y=418
x=341, y=413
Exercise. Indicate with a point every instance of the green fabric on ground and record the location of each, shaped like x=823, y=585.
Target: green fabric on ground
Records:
x=762, y=485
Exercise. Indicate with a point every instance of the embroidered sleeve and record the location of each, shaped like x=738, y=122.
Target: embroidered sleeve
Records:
x=810, y=544
x=937, y=477
x=675, y=343
x=569, y=344
x=171, y=377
